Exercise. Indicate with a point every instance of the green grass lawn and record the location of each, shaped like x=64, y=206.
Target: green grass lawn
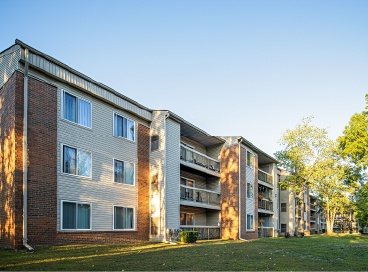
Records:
x=316, y=252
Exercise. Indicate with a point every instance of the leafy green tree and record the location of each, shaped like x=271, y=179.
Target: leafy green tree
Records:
x=313, y=161
x=361, y=205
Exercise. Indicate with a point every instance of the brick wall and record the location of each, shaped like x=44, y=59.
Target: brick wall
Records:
x=7, y=162
x=230, y=192
x=243, y=183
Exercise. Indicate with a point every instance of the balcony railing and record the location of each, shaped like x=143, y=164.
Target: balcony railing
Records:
x=265, y=232
x=265, y=205
x=265, y=177
x=204, y=232
x=199, y=195
x=313, y=218
x=299, y=213
x=312, y=207
x=193, y=156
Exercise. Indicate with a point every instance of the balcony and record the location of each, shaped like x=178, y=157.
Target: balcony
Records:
x=312, y=207
x=265, y=232
x=265, y=205
x=199, y=161
x=204, y=232
x=199, y=198
x=313, y=219
x=299, y=213
x=265, y=177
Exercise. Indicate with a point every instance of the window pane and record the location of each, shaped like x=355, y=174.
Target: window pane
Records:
x=69, y=215
x=190, y=219
x=130, y=130
x=84, y=163
x=128, y=218
x=251, y=190
x=124, y=128
x=69, y=107
x=118, y=217
x=84, y=113
x=248, y=190
x=84, y=216
x=183, y=219
x=248, y=158
x=119, y=171
x=69, y=164
x=189, y=183
x=183, y=181
x=129, y=173
x=118, y=126
x=154, y=226
x=251, y=160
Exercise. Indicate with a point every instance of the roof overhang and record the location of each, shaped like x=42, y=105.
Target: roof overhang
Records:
x=263, y=157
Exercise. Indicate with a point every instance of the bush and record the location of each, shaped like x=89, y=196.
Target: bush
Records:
x=287, y=235
x=323, y=230
x=301, y=234
x=188, y=236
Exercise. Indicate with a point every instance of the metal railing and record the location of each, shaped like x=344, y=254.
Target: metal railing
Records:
x=199, y=195
x=312, y=207
x=265, y=177
x=265, y=232
x=265, y=205
x=204, y=232
x=299, y=213
x=313, y=218
x=190, y=155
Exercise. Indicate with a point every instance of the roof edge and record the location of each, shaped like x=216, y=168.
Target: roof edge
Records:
x=257, y=149
x=57, y=62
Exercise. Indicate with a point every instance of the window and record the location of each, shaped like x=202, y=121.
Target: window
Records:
x=123, y=127
x=250, y=159
x=305, y=225
x=283, y=207
x=155, y=140
x=249, y=222
x=305, y=207
x=76, y=110
x=154, y=226
x=75, y=215
x=123, y=218
x=283, y=227
x=187, y=219
x=249, y=190
x=76, y=161
x=124, y=172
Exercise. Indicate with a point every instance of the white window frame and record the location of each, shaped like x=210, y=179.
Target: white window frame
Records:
x=113, y=173
x=252, y=195
x=76, y=215
x=246, y=161
x=134, y=219
x=113, y=126
x=186, y=219
x=252, y=220
x=62, y=161
x=77, y=109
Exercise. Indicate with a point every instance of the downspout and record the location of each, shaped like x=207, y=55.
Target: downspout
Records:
x=166, y=116
x=25, y=152
x=240, y=140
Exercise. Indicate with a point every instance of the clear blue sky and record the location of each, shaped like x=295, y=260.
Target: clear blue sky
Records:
x=250, y=68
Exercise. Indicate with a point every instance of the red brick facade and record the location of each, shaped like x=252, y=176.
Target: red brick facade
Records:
x=230, y=194
x=42, y=171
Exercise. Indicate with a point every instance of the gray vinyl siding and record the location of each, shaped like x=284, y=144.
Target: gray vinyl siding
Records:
x=172, y=174
x=99, y=190
x=213, y=218
x=9, y=60
x=86, y=84
x=157, y=166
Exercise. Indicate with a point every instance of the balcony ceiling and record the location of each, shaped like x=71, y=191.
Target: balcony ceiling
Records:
x=199, y=136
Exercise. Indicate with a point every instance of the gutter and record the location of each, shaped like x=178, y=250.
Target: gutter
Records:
x=240, y=140
x=25, y=153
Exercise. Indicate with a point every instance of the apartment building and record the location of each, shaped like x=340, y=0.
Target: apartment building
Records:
x=295, y=211
x=82, y=163
x=85, y=160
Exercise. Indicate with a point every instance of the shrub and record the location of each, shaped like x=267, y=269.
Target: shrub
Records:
x=323, y=230
x=301, y=234
x=188, y=236
x=287, y=235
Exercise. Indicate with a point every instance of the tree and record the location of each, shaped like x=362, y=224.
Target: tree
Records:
x=361, y=205
x=314, y=162
x=304, y=147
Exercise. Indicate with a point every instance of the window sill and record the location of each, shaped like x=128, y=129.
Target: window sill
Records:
x=75, y=176
x=76, y=124
x=124, y=139
x=130, y=185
